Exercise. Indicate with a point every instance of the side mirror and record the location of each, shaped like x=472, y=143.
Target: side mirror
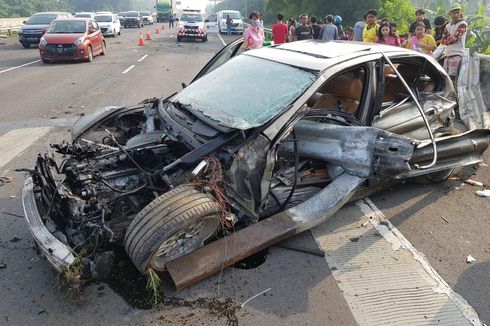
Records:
x=206, y=21
x=184, y=85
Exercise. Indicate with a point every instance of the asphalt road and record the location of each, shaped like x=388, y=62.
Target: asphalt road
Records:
x=444, y=222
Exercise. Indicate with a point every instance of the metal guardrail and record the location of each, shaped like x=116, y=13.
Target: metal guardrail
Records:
x=7, y=30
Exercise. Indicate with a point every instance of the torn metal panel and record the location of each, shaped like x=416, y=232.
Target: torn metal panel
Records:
x=362, y=151
x=224, y=252
x=58, y=254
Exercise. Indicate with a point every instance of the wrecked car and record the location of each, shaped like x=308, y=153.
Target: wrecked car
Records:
x=286, y=135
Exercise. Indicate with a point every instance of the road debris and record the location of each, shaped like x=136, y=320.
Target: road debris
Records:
x=5, y=179
x=473, y=182
x=470, y=259
x=483, y=193
x=446, y=220
x=255, y=296
x=3, y=266
x=311, y=251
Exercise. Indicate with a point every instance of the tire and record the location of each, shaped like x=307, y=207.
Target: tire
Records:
x=45, y=60
x=26, y=45
x=205, y=39
x=104, y=49
x=90, y=54
x=179, y=39
x=119, y=32
x=176, y=223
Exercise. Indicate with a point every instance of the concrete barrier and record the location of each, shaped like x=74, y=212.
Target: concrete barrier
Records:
x=7, y=22
x=473, y=89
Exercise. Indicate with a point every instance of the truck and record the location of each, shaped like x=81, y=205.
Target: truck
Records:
x=163, y=9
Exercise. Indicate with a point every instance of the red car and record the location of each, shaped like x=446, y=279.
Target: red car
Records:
x=72, y=39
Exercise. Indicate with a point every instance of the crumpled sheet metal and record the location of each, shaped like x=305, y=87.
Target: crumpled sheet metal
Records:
x=362, y=151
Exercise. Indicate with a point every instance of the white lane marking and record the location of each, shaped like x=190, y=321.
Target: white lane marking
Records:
x=16, y=141
x=383, y=278
x=143, y=58
x=130, y=67
x=25, y=64
x=219, y=35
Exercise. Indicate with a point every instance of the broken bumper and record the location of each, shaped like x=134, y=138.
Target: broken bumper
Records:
x=57, y=253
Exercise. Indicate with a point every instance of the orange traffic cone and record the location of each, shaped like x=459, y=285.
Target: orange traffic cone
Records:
x=148, y=36
x=157, y=31
x=141, y=40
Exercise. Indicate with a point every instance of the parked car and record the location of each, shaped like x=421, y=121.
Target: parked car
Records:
x=236, y=16
x=121, y=16
x=191, y=26
x=211, y=23
x=109, y=24
x=34, y=28
x=289, y=132
x=133, y=18
x=72, y=39
x=85, y=15
x=147, y=17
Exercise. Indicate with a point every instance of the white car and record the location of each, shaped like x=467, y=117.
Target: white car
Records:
x=236, y=26
x=85, y=15
x=211, y=23
x=109, y=24
x=147, y=17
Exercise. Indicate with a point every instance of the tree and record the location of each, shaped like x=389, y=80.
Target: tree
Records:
x=399, y=11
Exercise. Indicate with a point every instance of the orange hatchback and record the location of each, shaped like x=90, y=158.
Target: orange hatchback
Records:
x=72, y=39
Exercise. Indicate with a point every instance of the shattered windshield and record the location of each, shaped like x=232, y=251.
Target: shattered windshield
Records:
x=246, y=91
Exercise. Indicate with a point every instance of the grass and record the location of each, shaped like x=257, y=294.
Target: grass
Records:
x=153, y=284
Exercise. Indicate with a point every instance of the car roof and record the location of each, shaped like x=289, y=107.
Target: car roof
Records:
x=50, y=13
x=319, y=55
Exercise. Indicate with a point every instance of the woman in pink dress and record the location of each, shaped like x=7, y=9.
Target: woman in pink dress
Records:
x=254, y=34
x=386, y=35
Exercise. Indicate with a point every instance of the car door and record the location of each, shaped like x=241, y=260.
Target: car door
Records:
x=228, y=52
x=95, y=36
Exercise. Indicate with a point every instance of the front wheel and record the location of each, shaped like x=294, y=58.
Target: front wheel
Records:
x=175, y=224
x=90, y=54
x=26, y=45
x=104, y=49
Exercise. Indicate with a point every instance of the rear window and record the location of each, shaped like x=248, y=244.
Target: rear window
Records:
x=41, y=19
x=191, y=18
x=233, y=15
x=83, y=15
x=145, y=13
x=132, y=14
x=103, y=18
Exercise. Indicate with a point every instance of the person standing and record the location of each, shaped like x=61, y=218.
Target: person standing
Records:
x=170, y=20
x=229, y=23
x=371, y=28
x=454, y=38
x=421, y=42
x=419, y=17
x=292, y=30
x=316, y=27
x=279, y=30
x=358, y=28
x=439, y=27
x=386, y=35
x=304, y=31
x=329, y=31
x=254, y=34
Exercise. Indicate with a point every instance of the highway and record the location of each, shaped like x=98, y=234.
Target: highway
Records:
x=397, y=258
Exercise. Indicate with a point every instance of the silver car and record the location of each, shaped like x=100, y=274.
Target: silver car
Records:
x=263, y=144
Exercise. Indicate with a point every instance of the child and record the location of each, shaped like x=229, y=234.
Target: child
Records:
x=371, y=27
x=421, y=42
x=454, y=38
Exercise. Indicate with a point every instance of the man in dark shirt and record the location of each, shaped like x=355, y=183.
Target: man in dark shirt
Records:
x=316, y=27
x=420, y=17
x=304, y=32
x=440, y=26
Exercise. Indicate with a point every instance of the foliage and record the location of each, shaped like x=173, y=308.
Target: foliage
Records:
x=25, y=8
x=478, y=35
x=399, y=11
